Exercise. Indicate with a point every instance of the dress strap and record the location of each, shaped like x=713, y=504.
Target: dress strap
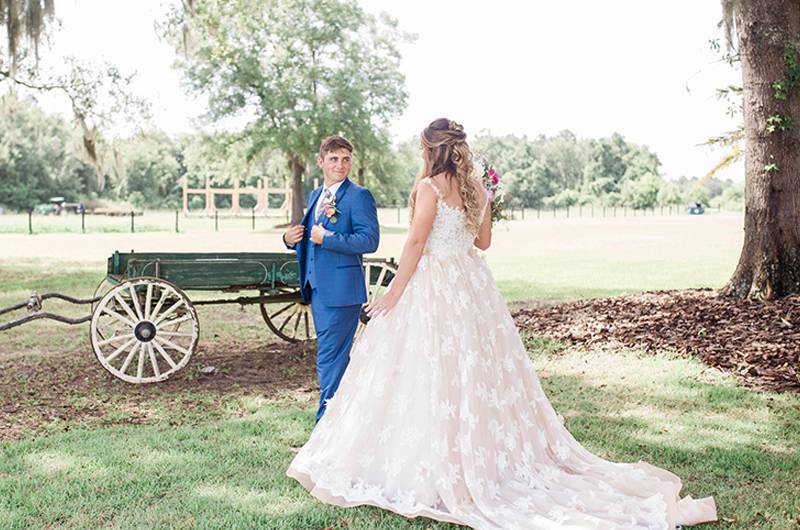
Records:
x=428, y=181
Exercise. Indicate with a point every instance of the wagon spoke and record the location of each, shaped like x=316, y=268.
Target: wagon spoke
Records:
x=128, y=359
x=120, y=349
x=140, y=365
x=172, y=345
x=281, y=310
x=119, y=317
x=286, y=321
x=367, y=275
x=160, y=325
x=153, y=362
x=148, y=301
x=169, y=311
x=135, y=301
x=297, y=323
x=175, y=333
x=115, y=337
x=379, y=285
x=157, y=308
x=127, y=308
x=164, y=354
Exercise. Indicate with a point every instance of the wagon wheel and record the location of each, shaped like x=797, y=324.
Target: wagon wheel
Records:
x=290, y=320
x=377, y=276
x=140, y=320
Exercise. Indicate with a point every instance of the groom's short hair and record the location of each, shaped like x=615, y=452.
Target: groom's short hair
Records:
x=334, y=143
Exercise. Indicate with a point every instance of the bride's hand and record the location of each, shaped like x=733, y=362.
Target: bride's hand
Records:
x=383, y=304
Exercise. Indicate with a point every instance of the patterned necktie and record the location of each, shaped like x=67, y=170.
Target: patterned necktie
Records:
x=326, y=196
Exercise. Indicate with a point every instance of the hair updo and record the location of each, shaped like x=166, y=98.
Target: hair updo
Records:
x=445, y=150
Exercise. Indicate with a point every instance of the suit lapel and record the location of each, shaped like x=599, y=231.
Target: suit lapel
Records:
x=339, y=194
x=312, y=206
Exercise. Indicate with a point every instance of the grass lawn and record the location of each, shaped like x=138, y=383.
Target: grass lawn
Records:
x=189, y=454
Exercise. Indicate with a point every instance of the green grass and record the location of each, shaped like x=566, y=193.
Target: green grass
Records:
x=555, y=278
x=192, y=458
x=739, y=445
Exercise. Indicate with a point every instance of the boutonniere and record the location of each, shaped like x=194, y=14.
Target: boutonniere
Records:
x=329, y=209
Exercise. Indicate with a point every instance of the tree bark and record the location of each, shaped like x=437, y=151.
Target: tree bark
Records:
x=769, y=265
x=298, y=168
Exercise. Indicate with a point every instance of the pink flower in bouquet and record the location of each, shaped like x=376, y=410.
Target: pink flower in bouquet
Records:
x=493, y=174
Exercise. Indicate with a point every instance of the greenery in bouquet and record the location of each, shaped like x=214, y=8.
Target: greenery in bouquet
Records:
x=494, y=187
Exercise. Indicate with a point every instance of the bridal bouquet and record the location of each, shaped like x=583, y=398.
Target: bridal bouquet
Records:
x=494, y=187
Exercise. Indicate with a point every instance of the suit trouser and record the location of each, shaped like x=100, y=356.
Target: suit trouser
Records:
x=335, y=328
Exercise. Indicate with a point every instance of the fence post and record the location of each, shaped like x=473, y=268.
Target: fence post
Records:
x=216, y=220
x=580, y=210
x=568, y=211
x=132, y=227
x=176, y=221
x=30, y=222
x=523, y=213
x=398, y=212
x=554, y=211
x=538, y=213
x=83, y=221
x=592, y=209
x=253, y=210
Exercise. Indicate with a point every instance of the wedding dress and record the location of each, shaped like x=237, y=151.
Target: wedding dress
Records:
x=440, y=414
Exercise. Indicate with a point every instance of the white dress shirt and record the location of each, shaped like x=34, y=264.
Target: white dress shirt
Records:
x=333, y=189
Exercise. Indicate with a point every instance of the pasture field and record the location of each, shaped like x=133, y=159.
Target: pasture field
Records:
x=80, y=449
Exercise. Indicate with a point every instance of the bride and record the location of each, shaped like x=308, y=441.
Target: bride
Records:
x=440, y=413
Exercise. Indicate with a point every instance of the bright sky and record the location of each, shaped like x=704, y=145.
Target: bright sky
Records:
x=642, y=68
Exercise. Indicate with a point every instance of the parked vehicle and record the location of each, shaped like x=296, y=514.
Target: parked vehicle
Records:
x=695, y=208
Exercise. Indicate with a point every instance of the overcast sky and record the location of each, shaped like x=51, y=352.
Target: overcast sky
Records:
x=642, y=68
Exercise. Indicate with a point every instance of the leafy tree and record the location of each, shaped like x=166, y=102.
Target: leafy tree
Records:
x=36, y=157
x=642, y=192
x=296, y=70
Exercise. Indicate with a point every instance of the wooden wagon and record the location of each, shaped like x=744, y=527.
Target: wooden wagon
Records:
x=143, y=326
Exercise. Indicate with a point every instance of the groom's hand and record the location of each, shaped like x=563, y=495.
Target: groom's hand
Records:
x=293, y=235
x=317, y=233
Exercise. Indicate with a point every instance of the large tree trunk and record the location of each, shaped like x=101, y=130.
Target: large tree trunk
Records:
x=769, y=265
x=298, y=168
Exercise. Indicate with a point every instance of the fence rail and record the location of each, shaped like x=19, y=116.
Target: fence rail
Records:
x=175, y=221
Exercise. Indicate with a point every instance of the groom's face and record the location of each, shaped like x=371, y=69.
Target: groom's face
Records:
x=335, y=165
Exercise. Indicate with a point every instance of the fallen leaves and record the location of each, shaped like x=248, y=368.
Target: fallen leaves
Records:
x=759, y=341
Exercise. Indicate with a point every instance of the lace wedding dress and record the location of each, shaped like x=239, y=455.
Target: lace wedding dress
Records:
x=440, y=414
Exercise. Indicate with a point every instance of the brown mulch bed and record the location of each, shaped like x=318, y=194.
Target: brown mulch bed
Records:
x=757, y=341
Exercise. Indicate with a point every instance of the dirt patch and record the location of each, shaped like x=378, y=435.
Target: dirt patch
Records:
x=74, y=388
x=758, y=341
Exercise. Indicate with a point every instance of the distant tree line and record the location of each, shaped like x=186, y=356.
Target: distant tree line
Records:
x=40, y=158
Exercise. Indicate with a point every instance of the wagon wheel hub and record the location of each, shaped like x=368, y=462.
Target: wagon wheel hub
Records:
x=145, y=331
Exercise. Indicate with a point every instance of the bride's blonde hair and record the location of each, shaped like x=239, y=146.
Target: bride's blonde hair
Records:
x=445, y=150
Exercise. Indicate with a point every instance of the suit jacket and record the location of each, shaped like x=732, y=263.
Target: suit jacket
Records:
x=335, y=267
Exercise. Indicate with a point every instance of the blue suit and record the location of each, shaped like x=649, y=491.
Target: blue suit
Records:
x=332, y=278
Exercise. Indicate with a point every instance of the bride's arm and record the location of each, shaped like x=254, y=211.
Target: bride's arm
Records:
x=484, y=237
x=424, y=213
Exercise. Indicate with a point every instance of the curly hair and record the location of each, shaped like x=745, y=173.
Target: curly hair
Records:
x=445, y=150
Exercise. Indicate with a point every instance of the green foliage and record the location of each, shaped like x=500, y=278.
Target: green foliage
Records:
x=642, y=192
x=36, y=157
x=150, y=171
x=296, y=70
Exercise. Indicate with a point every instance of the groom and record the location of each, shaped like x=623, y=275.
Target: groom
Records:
x=340, y=224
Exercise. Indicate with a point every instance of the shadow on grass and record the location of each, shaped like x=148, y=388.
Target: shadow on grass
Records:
x=231, y=473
